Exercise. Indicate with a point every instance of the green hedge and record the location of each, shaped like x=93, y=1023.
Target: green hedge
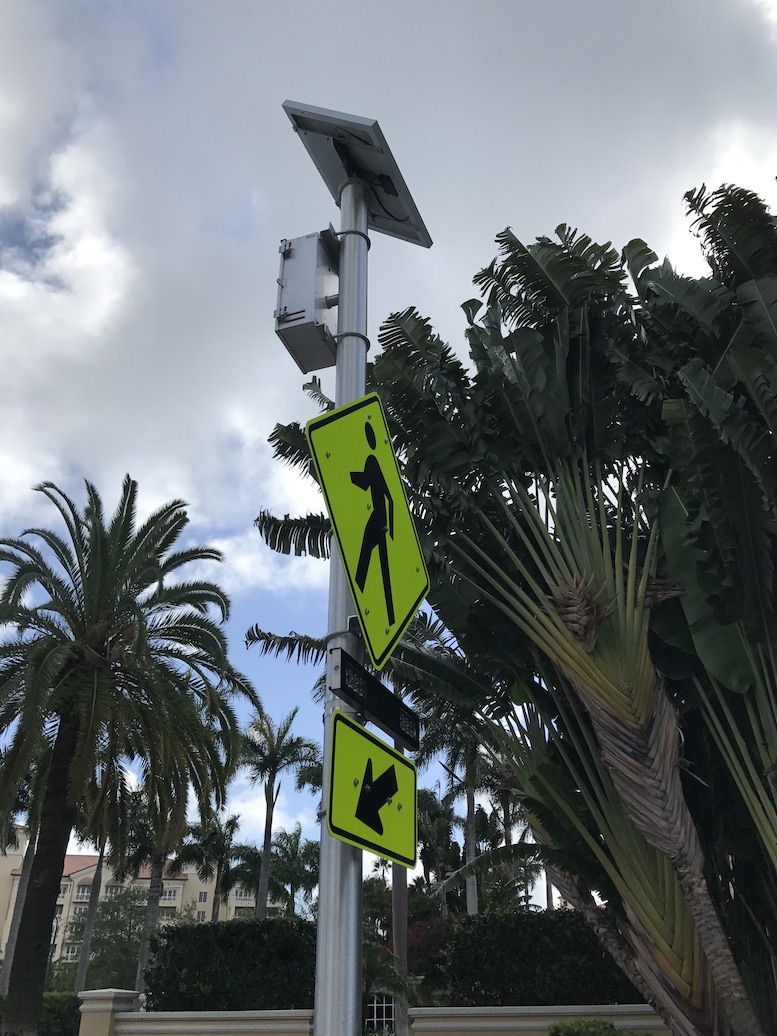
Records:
x=588, y=1027
x=546, y=958
x=60, y=1015
x=233, y=966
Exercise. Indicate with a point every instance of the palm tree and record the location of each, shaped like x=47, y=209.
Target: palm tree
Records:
x=102, y=818
x=267, y=752
x=101, y=641
x=247, y=872
x=27, y=801
x=211, y=847
x=143, y=834
x=295, y=865
x=446, y=735
x=439, y=852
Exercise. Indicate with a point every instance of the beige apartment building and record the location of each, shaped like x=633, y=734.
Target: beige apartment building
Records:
x=183, y=893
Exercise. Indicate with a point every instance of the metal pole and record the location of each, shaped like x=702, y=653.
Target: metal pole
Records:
x=339, y=944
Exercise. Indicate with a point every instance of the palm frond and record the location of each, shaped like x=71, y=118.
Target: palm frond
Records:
x=311, y=535
x=296, y=646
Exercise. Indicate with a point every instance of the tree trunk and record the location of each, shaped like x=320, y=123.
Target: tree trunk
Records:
x=679, y=1015
x=151, y=919
x=21, y=895
x=91, y=914
x=28, y=971
x=270, y=797
x=399, y=936
x=469, y=850
x=215, y=908
x=643, y=763
x=548, y=891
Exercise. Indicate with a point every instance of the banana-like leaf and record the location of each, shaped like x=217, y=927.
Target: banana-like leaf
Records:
x=290, y=445
x=311, y=535
x=296, y=646
x=736, y=230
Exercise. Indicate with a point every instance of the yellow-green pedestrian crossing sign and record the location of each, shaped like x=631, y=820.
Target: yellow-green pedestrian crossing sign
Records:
x=372, y=794
x=376, y=536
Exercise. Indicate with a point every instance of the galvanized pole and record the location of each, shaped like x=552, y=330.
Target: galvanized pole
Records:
x=339, y=946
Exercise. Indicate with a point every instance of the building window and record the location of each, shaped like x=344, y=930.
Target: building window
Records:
x=62, y=891
x=80, y=911
x=167, y=913
x=58, y=911
x=200, y=915
x=244, y=911
x=241, y=894
x=83, y=892
x=380, y=1014
x=203, y=897
x=169, y=896
x=112, y=891
x=72, y=951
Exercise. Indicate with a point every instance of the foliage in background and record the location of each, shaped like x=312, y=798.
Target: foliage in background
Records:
x=269, y=751
x=529, y=959
x=427, y=957
x=60, y=1015
x=118, y=926
x=588, y=1027
x=583, y=1027
x=244, y=965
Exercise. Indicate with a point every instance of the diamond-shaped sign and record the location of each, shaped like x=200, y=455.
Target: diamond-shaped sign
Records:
x=372, y=794
x=376, y=536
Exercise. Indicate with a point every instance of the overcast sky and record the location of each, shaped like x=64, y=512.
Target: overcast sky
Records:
x=148, y=173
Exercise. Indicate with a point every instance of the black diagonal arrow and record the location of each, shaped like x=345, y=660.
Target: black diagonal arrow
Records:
x=374, y=795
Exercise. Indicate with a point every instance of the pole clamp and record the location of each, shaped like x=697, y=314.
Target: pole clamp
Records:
x=353, y=334
x=359, y=233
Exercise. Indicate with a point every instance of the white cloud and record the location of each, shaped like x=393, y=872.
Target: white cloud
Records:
x=247, y=801
x=141, y=339
x=738, y=153
x=249, y=565
x=769, y=8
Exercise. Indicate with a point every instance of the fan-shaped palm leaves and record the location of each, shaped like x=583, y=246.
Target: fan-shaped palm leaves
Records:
x=104, y=643
x=268, y=751
x=210, y=847
x=295, y=867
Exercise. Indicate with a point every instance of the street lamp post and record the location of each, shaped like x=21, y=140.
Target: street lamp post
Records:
x=338, y=951
x=357, y=166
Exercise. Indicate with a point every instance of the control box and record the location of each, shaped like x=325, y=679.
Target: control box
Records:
x=305, y=317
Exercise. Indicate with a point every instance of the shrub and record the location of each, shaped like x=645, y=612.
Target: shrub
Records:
x=427, y=954
x=233, y=966
x=532, y=959
x=589, y=1027
x=60, y=1015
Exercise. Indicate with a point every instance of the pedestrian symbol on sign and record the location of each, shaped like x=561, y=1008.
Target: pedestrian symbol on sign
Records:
x=376, y=537
x=380, y=522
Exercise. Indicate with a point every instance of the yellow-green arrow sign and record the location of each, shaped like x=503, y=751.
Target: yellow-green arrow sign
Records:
x=378, y=544
x=372, y=794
